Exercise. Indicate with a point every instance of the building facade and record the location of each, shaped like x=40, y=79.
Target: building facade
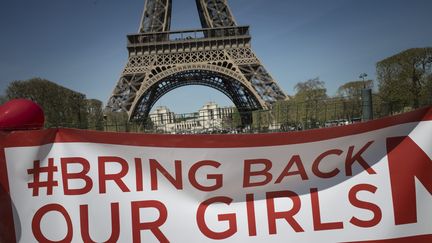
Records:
x=208, y=119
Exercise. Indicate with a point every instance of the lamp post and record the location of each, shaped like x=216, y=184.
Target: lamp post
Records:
x=363, y=76
x=367, y=113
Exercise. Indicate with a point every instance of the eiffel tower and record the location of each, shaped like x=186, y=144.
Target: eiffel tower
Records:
x=218, y=56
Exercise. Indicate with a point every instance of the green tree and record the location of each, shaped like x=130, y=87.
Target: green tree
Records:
x=311, y=89
x=350, y=94
x=94, y=114
x=280, y=112
x=62, y=107
x=379, y=106
x=261, y=120
x=236, y=119
x=286, y=113
x=309, y=100
x=404, y=79
x=115, y=121
x=426, y=92
x=3, y=99
x=233, y=121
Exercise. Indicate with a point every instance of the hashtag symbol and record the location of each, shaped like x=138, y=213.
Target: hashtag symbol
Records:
x=36, y=171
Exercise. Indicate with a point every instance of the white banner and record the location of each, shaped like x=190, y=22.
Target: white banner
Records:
x=357, y=183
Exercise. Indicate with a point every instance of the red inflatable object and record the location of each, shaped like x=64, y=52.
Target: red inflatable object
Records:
x=21, y=114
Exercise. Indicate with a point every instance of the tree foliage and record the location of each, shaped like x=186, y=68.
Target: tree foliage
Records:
x=119, y=122
x=304, y=109
x=261, y=120
x=3, y=99
x=308, y=97
x=233, y=121
x=404, y=79
x=350, y=94
x=353, y=89
x=310, y=90
x=95, y=114
x=62, y=107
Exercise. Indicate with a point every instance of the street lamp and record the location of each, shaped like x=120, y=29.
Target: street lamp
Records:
x=363, y=76
x=367, y=112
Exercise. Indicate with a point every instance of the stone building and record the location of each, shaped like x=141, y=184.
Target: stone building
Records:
x=208, y=119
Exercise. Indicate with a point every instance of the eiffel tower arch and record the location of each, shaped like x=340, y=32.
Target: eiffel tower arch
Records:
x=218, y=56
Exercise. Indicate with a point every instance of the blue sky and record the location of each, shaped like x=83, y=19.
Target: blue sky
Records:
x=81, y=44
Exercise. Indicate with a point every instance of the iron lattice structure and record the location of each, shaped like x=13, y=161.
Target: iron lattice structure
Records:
x=217, y=56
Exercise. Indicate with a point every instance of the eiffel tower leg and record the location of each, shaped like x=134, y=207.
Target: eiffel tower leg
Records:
x=215, y=13
x=156, y=16
x=125, y=91
x=252, y=69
